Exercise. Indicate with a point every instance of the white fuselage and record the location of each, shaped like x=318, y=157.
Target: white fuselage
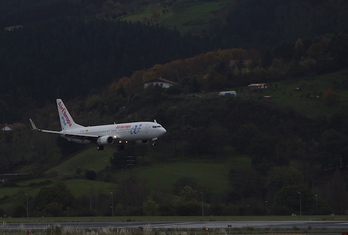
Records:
x=122, y=132
x=104, y=134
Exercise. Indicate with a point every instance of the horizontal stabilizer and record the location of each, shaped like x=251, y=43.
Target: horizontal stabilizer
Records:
x=37, y=129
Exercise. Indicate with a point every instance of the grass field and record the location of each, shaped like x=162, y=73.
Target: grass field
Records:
x=90, y=159
x=183, y=15
x=161, y=177
x=309, y=99
x=176, y=218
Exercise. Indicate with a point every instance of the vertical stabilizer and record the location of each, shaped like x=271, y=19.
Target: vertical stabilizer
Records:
x=66, y=121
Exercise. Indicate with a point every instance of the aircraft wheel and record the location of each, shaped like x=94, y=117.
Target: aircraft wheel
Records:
x=101, y=147
x=120, y=147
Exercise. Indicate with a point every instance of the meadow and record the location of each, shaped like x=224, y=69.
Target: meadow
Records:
x=211, y=173
x=306, y=95
x=185, y=16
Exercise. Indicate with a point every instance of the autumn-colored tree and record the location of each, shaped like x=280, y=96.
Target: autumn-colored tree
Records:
x=331, y=96
x=155, y=16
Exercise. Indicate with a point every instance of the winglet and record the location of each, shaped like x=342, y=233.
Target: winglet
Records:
x=33, y=125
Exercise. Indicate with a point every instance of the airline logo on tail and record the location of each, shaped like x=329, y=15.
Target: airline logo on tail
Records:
x=65, y=117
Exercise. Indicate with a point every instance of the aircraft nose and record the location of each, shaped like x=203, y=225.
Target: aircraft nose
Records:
x=163, y=131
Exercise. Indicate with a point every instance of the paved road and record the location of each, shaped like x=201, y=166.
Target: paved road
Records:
x=342, y=225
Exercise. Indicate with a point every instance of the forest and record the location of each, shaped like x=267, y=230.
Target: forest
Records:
x=266, y=23
x=73, y=57
x=73, y=48
x=270, y=151
x=285, y=151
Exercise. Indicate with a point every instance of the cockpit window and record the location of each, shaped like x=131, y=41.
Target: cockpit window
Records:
x=156, y=126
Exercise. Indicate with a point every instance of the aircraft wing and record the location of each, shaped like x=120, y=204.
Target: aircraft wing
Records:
x=79, y=135
x=62, y=132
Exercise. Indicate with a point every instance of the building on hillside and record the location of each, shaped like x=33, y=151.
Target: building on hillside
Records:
x=257, y=86
x=20, y=176
x=161, y=82
x=13, y=28
x=227, y=93
x=12, y=127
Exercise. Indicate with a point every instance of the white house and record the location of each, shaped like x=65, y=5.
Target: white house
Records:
x=228, y=93
x=11, y=127
x=13, y=28
x=164, y=83
x=258, y=86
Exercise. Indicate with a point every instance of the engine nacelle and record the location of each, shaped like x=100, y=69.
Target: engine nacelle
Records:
x=105, y=140
x=139, y=142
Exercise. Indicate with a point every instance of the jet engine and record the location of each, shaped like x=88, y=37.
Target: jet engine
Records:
x=105, y=140
x=140, y=142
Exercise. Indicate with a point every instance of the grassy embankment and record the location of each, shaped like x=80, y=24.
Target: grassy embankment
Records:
x=183, y=15
x=178, y=218
x=212, y=173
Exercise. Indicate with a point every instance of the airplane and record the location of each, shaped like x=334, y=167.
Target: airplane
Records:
x=139, y=132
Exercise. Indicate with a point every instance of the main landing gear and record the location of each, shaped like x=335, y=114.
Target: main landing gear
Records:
x=100, y=147
x=120, y=147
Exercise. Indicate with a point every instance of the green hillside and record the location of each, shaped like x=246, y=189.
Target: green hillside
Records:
x=230, y=153
x=88, y=159
x=214, y=165
x=309, y=96
x=186, y=16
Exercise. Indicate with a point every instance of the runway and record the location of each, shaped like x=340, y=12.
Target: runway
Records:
x=341, y=225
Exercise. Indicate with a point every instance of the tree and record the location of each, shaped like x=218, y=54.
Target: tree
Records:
x=245, y=183
x=334, y=150
x=330, y=96
x=335, y=194
x=131, y=194
x=151, y=208
x=244, y=137
x=293, y=199
x=188, y=194
x=198, y=142
x=90, y=174
x=187, y=204
x=262, y=152
x=119, y=160
x=55, y=199
x=280, y=177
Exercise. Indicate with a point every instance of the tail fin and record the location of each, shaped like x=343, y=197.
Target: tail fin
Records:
x=33, y=125
x=66, y=121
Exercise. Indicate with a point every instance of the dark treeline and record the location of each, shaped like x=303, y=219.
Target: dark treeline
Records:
x=262, y=24
x=232, y=68
x=72, y=57
x=65, y=49
x=20, y=12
